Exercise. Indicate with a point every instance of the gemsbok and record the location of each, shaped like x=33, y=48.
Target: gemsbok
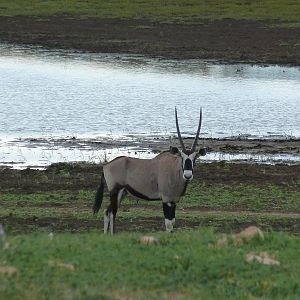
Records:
x=164, y=177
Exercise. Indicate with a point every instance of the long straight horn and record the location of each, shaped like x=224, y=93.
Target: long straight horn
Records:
x=178, y=132
x=197, y=134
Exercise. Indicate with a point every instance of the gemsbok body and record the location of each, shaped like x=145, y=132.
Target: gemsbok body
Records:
x=164, y=177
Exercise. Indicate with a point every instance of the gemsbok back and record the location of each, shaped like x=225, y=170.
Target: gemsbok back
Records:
x=164, y=177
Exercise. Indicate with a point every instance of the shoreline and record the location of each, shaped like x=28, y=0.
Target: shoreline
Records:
x=224, y=41
x=99, y=150
x=161, y=143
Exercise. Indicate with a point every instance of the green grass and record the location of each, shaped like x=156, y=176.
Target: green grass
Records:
x=248, y=197
x=242, y=196
x=230, y=207
x=176, y=11
x=183, y=265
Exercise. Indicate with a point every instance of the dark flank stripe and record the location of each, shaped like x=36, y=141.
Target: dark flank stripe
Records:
x=137, y=194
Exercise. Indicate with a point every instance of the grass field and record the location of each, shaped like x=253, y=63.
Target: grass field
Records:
x=184, y=265
x=225, y=196
x=224, y=206
x=174, y=11
x=55, y=249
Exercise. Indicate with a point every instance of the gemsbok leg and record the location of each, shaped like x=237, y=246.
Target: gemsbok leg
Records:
x=116, y=196
x=169, y=212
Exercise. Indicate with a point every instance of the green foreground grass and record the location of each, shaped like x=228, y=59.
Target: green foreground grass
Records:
x=174, y=11
x=49, y=262
x=184, y=265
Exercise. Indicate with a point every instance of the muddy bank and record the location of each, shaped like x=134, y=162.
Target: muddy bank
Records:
x=140, y=224
x=61, y=197
x=82, y=176
x=240, y=145
x=224, y=41
x=42, y=152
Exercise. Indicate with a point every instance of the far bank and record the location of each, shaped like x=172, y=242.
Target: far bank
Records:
x=226, y=41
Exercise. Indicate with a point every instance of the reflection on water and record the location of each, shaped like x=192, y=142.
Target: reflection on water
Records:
x=60, y=93
x=53, y=92
x=21, y=157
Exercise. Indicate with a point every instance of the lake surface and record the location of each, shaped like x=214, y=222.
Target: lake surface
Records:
x=59, y=94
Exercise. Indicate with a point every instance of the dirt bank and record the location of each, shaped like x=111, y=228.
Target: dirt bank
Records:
x=140, y=224
x=234, y=145
x=81, y=176
x=61, y=198
x=224, y=41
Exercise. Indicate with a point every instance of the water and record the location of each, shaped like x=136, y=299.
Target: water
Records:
x=61, y=93
x=41, y=157
x=58, y=94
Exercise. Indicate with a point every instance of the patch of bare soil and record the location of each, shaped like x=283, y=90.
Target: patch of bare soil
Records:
x=72, y=178
x=233, y=145
x=140, y=224
x=225, y=41
x=253, y=146
x=84, y=176
x=257, y=174
x=215, y=211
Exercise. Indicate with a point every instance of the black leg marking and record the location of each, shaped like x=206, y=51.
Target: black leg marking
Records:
x=172, y=211
x=111, y=211
x=166, y=209
x=108, y=210
x=114, y=206
x=169, y=210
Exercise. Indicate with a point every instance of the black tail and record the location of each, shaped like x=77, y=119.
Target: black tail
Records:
x=99, y=196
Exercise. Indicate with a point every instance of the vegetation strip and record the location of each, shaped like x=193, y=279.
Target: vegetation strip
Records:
x=260, y=32
x=225, y=196
x=191, y=264
x=175, y=11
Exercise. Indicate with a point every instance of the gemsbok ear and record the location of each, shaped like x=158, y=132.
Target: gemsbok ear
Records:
x=202, y=151
x=174, y=150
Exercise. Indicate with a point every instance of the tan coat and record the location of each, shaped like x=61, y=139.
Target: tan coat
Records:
x=157, y=178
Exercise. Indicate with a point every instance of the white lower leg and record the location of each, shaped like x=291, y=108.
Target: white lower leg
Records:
x=173, y=221
x=169, y=225
x=120, y=196
x=111, y=221
x=106, y=222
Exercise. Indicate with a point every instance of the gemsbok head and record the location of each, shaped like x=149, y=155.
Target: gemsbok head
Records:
x=164, y=177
